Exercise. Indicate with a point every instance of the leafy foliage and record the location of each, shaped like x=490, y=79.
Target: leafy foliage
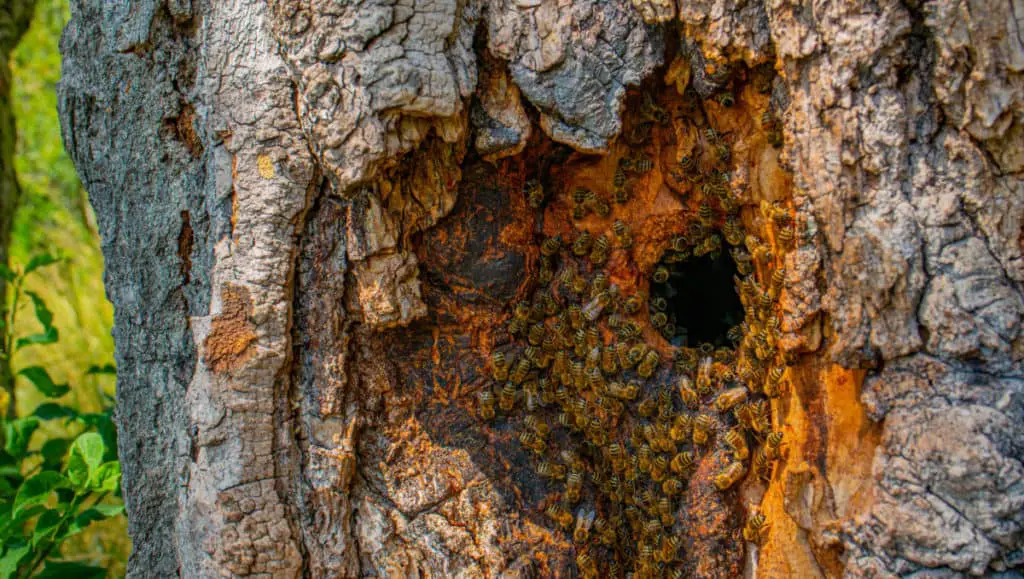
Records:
x=51, y=488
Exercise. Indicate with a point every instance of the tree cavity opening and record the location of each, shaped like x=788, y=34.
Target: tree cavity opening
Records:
x=699, y=299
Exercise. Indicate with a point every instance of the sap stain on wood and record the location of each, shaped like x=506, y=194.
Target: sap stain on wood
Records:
x=228, y=345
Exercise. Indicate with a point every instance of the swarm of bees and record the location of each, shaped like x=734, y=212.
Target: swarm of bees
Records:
x=616, y=430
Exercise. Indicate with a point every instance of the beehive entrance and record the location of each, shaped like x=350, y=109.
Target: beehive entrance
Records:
x=700, y=298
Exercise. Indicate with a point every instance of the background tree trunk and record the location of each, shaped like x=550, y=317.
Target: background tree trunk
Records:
x=314, y=232
x=15, y=16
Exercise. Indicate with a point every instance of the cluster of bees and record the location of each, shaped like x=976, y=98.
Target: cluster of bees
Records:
x=616, y=429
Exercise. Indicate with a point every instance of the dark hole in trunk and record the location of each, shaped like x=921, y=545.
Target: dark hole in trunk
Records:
x=702, y=302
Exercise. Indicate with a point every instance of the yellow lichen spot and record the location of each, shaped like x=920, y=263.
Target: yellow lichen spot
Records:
x=265, y=166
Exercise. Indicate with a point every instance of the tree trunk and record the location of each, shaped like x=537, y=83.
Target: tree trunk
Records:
x=319, y=219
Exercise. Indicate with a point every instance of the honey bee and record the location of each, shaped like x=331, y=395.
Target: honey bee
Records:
x=733, y=231
x=537, y=312
x=647, y=407
x=580, y=196
x=642, y=165
x=703, y=426
x=638, y=133
x=665, y=511
x=730, y=475
x=619, y=180
x=668, y=331
x=785, y=235
x=581, y=246
x=545, y=275
x=550, y=246
x=518, y=374
x=595, y=379
x=534, y=194
x=622, y=234
x=624, y=391
x=593, y=309
x=632, y=304
x=672, y=487
x=586, y=565
x=621, y=195
x=579, y=376
x=687, y=393
x=755, y=530
x=762, y=465
x=609, y=365
x=576, y=317
x=536, y=334
x=604, y=531
x=730, y=398
x=773, y=445
x=682, y=462
x=710, y=244
x=560, y=515
x=738, y=442
x=499, y=366
x=533, y=442
x=593, y=340
x=661, y=274
x=760, y=251
x=507, y=397
x=629, y=331
x=744, y=414
x=573, y=484
x=584, y=521
x=761, y=416
x=599, y=252
x=551, y=470
x=516, y=326
x=705, y=213
x=659, y=303
x=653, y=112
x=772, y=385
x=704, y=383
x=485, y=399
x=682, y=427
x=670, y=546
x=602, y=208
x=659, y=319
x=537, y=425
x=649, y=364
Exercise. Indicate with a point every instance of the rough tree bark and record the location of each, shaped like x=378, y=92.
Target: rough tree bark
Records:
x=314, y=232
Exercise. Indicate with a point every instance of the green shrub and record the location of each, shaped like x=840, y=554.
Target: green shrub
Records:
x=52, y=486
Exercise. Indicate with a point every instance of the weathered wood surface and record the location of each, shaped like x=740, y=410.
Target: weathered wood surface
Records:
x=314, y=232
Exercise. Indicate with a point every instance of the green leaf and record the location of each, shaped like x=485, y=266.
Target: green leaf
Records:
x=41, y=260
x=12, y=557
x=90, y=516
x=85, y=457
x=46, y=525
x=7, y=274
x=49, y=336
x=68, y=569
x=53, y=452
x=110, y=510
x=15, y=526
x=40, y=378
x=37, y=489
x=107, y=477
x=104, y=369
x=52, y=411
x=17, y=434
x=43, y=313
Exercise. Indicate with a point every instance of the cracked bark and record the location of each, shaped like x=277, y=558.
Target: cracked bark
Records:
x=313, y=231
